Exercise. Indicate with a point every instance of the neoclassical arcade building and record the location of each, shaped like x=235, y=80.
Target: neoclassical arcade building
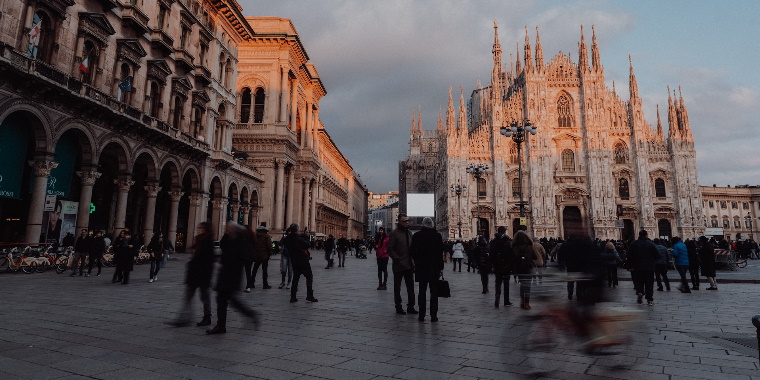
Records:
x=126, y=109
x=595, y=165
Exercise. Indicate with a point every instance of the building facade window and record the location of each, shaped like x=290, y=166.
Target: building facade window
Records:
x=725, y=223
x=712, y=204
x=482, y=193
x=745, y=205
x=43, y=50
x=623, y=189
x=659, y=188
x=735, y=205
x=714, y=222
x=564, y=111
x=723, y=205
x=179, y=104
x=258, y=108
x=124, y=85
x=155, y=100
x=568, y=160
x=621, y=154
x=161, y=17
x=515, y=187
x=88, y=65
x=245, y=105
x=184, y=34
x=737, y=222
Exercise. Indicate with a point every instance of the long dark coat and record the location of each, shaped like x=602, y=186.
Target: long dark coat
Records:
x=500, y=251
x=125, y=256
x=427, y=253
x=707, y=260
x=522, y=246
x=200, y=268
x=235, y=249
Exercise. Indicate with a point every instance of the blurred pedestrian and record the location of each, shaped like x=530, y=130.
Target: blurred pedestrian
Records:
x=427, y=252
x=540, y=259
x=198, y=277
x=524, y=257
x=611, y=260
x=286, y=265
x=263, y=248
x=236, y=243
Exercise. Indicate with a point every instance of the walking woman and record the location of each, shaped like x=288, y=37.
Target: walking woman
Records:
x=525, y=255
x=457, y=255
x=382, y=259
x=707, y=262
x=158, y=247
x=198, y=277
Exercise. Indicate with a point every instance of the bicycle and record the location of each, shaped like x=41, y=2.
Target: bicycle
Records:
x=13, y=263
x=58, y=260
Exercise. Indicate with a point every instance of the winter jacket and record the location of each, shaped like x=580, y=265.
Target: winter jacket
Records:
x=427, y=252
x=680, y=254
x=398, y=249
x=642, y=254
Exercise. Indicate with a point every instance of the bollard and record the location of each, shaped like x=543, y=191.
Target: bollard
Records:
x=756, y=322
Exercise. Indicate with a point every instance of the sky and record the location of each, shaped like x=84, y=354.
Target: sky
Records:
x=380, y=59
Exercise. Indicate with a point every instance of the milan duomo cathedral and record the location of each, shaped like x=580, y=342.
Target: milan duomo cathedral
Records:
x=595, y=166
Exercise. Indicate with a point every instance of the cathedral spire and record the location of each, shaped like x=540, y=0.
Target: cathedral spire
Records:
x=659, y=124
x=614, y=91
x=632, y=84
x=462, y=127
x=414, y=123
x=582, y=53
x=496, y=73
x=672, y=118
x=539, y=52
x=440, y=119
x=685, y=128
x=518, y=66
x=596, y=62
x=450, y=120
x=528, y=52
x=419, y=119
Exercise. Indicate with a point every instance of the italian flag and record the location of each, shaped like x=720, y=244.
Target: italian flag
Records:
x=85, y=65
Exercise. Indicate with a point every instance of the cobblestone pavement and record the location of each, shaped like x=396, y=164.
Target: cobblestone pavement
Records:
x=59, y=327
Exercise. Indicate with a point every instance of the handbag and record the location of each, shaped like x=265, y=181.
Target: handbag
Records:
x=443, y=288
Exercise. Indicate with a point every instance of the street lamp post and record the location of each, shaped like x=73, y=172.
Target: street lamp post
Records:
x=458, y=190
x=477, y=171
x=518, y=131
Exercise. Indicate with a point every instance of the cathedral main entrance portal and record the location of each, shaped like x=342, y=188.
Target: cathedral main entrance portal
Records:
x=628, y=231
x=572, y=221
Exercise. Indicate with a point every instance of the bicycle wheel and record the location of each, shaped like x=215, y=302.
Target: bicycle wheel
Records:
x=741, y=263
x=4, y=263
x=61, y=263
x=42, y=268
x=29, y=268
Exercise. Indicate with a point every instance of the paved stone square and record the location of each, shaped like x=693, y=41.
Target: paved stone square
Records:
x=58, y=327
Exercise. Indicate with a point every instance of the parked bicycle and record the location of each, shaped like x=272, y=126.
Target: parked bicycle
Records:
x=14, y=259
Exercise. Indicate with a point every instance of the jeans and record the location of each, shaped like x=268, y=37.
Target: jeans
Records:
x=286, y=267
x=643, y=281
x=422, y=302
x=341, y=258
x=661, y=273
x=155, y=266
x=525, y=287
x=96, y=257
x=78, y=261
x=408, y=277
x=299, y=269
x=264, y=275
x=694, y=273
x=502, y=279
x=682, y=271
x=186, y=313
x=612, y=275
x=455, y=261
x=382, y=270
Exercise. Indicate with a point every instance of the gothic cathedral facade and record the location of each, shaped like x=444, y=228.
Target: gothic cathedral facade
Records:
x=594, y=167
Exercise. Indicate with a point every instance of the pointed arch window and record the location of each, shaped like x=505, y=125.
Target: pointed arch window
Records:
x=513, y=154
x=155, y=99
x=258, y=109
x=659, y=188
x=515, y=187
x=568, y=160
x=177, y=116
x=623, y=189
x=621, y=154
x=245, y=105
x=564, y=111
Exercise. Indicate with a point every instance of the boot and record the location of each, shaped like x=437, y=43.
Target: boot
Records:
x=217, y=330
x=400, y=310
x=205, y=321
x=411, y=310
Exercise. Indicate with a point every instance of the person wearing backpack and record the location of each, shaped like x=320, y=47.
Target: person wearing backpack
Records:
x=524, y=256
x=661, y=266
x=500, y=251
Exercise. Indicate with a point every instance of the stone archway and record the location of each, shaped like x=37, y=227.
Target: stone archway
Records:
x=572, y=221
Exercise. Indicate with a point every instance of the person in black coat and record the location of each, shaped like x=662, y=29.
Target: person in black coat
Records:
x=198, y=276
x=642, y=255
x=157, y=247
x=427, y=252
x=298, y=246
x=125, y=251
x=500, y=252
x=236, y=245
x=484, y=262
x=571, y=254
x=97, y=249
x=329, y=248
x=707, y=262
x=691, y=247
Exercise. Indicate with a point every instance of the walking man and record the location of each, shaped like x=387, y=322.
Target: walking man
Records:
x=642, y=254
x=681, y=261
x=343, y=246
x=501, y=258
x=263, y=243
x=97, y=248
x=427, y=252
x=403, y=268
x=81, y=250
x=298, y=246
x=198, y=277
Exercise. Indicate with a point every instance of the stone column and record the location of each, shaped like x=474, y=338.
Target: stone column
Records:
x=235, y=208
x=279, y=194
x=150, y=211
x=305, y=204
x=216, y=217
x=192, y=219
x=254, y=216
x=245, y=214
x=85, y=197
x=42, y=170
x=175, y=196
x=291, y=193
x=305, y=126
x=283, y=93
x=313, y=212
x=293, y=104
x=123, y=186
x=315, y=130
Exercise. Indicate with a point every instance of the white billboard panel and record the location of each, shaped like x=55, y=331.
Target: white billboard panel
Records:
x=420, y=205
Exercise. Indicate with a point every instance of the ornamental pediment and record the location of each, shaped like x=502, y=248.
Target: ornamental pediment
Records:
x=159, y=70
x=131, y=50
x=181, y=86
x=96, y=25
x=567, y=136
x=200, y=97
